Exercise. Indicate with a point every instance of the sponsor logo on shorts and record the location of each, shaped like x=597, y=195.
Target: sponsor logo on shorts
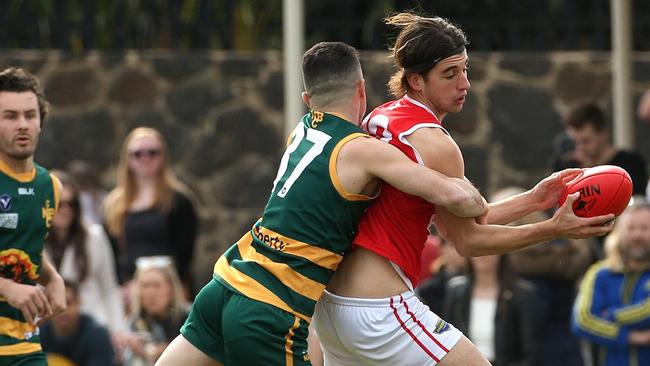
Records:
x=29, y=335
x=441, y=327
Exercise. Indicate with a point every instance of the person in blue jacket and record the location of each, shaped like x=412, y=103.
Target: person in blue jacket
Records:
x=612, y=309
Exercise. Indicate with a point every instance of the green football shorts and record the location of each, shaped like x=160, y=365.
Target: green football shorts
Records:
x=236, y=330
x=32, y=359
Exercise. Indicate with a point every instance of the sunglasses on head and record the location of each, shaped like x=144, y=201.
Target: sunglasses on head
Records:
x=151, y=153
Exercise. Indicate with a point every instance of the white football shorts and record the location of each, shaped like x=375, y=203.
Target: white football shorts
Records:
x=399, y=330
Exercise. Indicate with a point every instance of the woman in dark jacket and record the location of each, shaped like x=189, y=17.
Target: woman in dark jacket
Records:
x=497, y=311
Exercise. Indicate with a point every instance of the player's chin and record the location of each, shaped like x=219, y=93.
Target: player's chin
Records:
x=456, y=107
x=22, y=152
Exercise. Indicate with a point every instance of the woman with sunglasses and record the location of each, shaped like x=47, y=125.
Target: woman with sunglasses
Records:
x=82, y=253
x=149, y=212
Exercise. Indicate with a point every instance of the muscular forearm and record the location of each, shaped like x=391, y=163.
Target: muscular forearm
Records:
x=476, y=240
x=510, y=209
x=463, y=199
x=455, y=194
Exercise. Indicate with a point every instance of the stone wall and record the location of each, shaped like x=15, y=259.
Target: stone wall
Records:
x=221, y=114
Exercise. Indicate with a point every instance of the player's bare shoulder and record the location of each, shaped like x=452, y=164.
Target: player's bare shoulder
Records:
x=438, y=150
x=352, y=163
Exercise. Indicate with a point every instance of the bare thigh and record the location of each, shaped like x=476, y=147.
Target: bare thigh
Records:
x=464, y=353
x=182, y=353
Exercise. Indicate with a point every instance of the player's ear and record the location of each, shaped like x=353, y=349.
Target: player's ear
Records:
x=415, y=81
x=361, y=88
x=306, y=98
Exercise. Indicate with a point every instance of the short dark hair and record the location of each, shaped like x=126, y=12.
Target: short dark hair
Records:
x=18, y=80
x=588, y=114
x=330, y=67
x=421, y=43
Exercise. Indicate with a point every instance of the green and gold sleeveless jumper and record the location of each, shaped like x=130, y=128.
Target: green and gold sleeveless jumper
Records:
x=27, y=205
x=290, y=254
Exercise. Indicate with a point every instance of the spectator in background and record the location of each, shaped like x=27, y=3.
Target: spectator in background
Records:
x=554, y=268
x=158, y=309
x=496, y=311
x=150, y=212
x=91, y=192
x=643, y=109
x=75, y=337
x=588, y=129
x=563, y=153
x=613, y=305
x=82, y=253
x=643, y=112
x=449, y=264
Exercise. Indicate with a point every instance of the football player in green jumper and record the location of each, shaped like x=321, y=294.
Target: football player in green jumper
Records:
x=28, y=200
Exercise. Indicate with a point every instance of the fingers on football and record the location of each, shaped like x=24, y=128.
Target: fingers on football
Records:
x=570, y=199
x=570, y=179
x=599, y=225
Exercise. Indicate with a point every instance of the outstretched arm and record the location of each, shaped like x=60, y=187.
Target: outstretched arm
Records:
x=441, y=153
x=472, y=239
x=543, y=196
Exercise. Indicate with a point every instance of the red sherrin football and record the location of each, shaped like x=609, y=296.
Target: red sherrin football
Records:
x=603, y=190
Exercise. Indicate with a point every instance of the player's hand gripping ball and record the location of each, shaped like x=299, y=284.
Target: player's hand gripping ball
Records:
x=604, y=189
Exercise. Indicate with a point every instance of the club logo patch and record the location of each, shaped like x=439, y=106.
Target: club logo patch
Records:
x=5, y=202
x=441, y=327
x=48, y=213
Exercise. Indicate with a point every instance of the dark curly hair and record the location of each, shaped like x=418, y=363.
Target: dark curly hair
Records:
x=18, y=80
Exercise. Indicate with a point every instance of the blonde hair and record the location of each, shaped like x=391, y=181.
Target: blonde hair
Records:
x=164, y=265
x=612, y=246
x=119, y=200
